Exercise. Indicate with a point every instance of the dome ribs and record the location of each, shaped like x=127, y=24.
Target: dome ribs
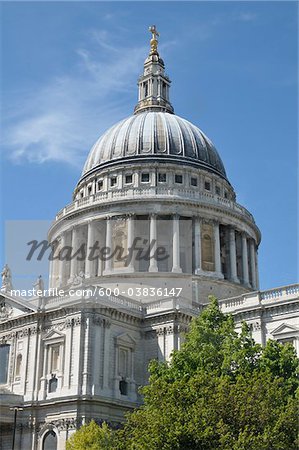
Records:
x=154, y=133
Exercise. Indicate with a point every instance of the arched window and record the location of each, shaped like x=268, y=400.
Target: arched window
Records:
x=123, y=387
x=53, y=384
x=50, y=441
x=4, y=358
x=18, y=365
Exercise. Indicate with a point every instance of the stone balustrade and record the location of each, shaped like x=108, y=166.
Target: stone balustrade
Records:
x=283, y=293
x=150, y=193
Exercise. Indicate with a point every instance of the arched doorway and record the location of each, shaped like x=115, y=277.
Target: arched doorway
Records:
x=50, y=441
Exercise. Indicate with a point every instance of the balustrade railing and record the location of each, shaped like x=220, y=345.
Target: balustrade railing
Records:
x=160, y=192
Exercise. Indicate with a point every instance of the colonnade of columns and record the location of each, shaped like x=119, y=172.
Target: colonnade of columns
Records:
x=90, y=269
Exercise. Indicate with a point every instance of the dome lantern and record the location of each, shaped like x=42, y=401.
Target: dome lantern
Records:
x=153, y=85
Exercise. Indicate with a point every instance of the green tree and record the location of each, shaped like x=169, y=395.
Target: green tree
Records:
x=91, y=437
x=220, y=391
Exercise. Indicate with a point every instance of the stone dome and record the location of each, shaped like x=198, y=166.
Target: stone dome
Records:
x=151, y=136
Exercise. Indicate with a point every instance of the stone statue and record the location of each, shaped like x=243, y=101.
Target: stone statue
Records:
x=6, y=278
x=39, y=284
x=78, y=278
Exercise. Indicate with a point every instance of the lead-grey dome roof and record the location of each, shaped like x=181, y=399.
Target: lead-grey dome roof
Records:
x=156, y=136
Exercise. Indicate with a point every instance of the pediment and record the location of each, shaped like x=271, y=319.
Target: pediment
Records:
x=285, y=329
x=54, y=335
x=11, y=306
x=126, y=340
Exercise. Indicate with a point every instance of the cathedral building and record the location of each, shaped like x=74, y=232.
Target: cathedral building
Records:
x=154, y=192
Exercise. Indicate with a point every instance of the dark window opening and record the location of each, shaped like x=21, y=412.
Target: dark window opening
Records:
x=89, y=189
x=123, y=387
x=225, y=194
x=217, y=190
x=113, y=181
x=162, y=177
x=146, y=89
x=50, y=441
x=178, y=179
x=53, y=384
x=207, y=186
x=129, y=179
x=145, y=177
x=100, y=185
x=193, y=181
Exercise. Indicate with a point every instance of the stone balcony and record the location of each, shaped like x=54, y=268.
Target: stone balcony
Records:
x=150, y=194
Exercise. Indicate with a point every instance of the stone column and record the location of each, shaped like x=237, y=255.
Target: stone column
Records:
x=245, y=260
x=197, y=245
x=89, y=265
x=130, y=239
x=176, y=244
x=108, y=262
x=257, y=269
x=52, y=279
x=252, y=264
x=100, y=267
x=74, y=262
x=217, y=252
x=232, y=254
x=153, y=266
x=62, y=262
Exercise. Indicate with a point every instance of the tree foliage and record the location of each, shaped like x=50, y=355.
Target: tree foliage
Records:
x=91, y=437
x=220, y=391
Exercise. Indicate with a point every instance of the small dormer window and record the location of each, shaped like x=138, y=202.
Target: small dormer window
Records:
x=207, y=186
x=113, y=181
x=145, y=177
x=218, y=190
x=129, y=179
x=162, y=177
x=193, y=181
x=178, y=179
x=100, y=185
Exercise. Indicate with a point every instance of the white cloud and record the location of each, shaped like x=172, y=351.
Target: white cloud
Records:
x=57, y=121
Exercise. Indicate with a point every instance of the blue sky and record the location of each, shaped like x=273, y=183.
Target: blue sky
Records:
x=69, y=71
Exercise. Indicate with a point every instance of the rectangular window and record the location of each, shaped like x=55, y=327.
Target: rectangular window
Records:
x=178, y=179
x=193, y=181
x=145, y=177
x=162, y=177
x=55, y=357
x=113, y=181
x=218, y=190
x=129, y=179
x=4, y=357
x=225, y=194
x=100, y=185
x=207, y=186
x=89, y=189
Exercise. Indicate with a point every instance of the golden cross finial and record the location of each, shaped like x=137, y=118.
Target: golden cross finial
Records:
x=154, y=31
x=154, y=40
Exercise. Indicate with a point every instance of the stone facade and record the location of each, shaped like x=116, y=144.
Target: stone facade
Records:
x=155, y=179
